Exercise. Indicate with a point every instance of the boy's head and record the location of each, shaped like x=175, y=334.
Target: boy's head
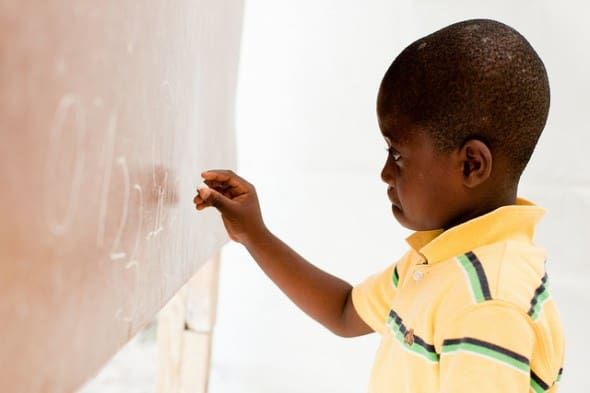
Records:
x=475, y=93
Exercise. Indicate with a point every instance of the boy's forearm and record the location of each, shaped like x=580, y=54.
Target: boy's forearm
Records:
x=322, y=296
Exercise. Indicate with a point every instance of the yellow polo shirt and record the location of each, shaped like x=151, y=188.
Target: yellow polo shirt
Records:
x=466, y=310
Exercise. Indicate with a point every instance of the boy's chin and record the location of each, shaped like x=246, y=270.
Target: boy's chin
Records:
x=402, y=218
x=409, y=223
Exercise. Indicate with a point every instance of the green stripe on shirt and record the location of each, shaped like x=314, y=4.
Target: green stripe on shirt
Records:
x=419, y=346
x=486, y=349
x=537, y=384
x=476, y=276
x=395, y=277
x=539, y=298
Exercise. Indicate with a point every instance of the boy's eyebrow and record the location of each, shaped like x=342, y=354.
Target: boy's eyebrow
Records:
x=382, y=124
x=392, y=142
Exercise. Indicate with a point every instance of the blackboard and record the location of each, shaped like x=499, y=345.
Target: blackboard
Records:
x=108, y=112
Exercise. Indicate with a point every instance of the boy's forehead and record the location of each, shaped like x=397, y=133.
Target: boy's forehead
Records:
x=397, y=129
x=389, y=114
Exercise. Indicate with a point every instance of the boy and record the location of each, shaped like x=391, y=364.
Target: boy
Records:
x=467, y=308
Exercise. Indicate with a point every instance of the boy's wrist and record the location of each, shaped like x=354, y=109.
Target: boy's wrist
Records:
x=257, y=238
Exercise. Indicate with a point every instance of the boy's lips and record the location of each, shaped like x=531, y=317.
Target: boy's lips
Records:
x=393, y=197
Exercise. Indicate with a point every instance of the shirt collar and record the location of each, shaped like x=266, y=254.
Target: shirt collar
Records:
x=515, y=222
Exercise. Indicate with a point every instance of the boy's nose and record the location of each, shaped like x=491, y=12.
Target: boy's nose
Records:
x=386, y=173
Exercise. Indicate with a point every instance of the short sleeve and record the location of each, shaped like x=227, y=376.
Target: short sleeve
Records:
x=372, y=298
x=488, y=349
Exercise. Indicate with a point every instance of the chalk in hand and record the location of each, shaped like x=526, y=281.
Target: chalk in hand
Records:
x=202, y=186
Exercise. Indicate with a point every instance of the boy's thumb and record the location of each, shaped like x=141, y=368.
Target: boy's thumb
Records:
x=214, y=198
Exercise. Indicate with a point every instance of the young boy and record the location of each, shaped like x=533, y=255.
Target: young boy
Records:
x=467, y=308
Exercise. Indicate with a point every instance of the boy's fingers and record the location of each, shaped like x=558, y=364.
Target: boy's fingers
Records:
x=228, y=179
x=218, y=185
x=198, y=200
x=214, y=198
x=227, y=190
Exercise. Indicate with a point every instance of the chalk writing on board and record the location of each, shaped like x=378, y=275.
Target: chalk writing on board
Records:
x=106, y=183
x=133, y=258
x=116, y=251
x=69, y=105
x=70, y=125
x=158, y=216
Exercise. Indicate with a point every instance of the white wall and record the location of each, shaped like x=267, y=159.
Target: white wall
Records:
x=308, y=139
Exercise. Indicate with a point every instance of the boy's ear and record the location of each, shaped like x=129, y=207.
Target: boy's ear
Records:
x=477, y=163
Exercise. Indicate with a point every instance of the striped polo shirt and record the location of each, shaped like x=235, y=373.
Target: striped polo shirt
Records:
x=466, y=310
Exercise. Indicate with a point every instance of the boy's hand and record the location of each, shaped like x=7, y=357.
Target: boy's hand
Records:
x=237, y=202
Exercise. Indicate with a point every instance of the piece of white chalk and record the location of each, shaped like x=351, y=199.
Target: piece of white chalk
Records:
x=202, y=186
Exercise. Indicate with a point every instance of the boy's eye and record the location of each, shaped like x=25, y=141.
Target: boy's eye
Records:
x=393, y=153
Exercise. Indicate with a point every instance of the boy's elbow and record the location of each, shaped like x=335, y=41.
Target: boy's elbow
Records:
x=340, y=331
x=345, y=333
x=349, y=331
x=349, y=323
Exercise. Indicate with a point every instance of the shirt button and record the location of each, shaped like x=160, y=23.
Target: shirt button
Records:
x=418, y=275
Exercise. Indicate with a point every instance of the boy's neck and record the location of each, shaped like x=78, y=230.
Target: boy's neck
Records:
x=483, y=206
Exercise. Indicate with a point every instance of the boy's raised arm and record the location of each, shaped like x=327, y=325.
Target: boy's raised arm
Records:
x=322, y=296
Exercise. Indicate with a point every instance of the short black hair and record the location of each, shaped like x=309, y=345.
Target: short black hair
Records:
x=476, y=79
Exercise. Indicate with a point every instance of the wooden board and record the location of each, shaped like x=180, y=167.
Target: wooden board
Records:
x=108, y=112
